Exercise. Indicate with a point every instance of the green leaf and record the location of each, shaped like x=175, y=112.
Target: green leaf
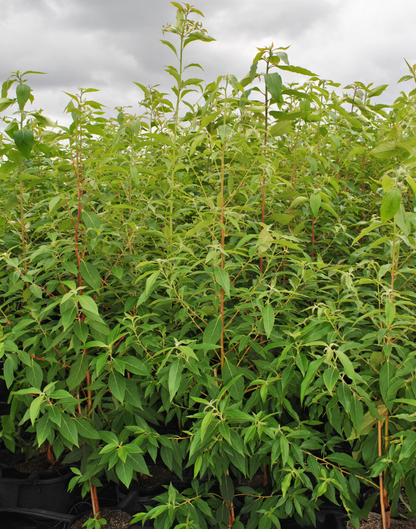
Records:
x=329, y=208
x=315, y=201
x=24, y=141
x=224, y=131
x=78, y=372
x=268, y=319
x=344, y=395
x=36, y=290
x=69, y=315
x=227, y=489
x=172, y=47
x=53, y=203
x=206, y=421
x=310, y=375
x=5, y=102
x=409, y=446
x=55, y=415
x=280, y=128
x=274, y=85
x=390, y=310
x=132, y=395
x=346, y=363
x=86, y=430
x=81, y=330
x=253, y=71
x=34, y=374
x=357, y=413
x=150, y=281
x=369, y=229
x=175, y=373
x=378, y=90
x=198, y=35
x=137, y=462
x=124, y=471
x=90, y=275
x=390, y=204
x=222, y=278
x=22, y=94
x=136, y=366
x=331, y=376
x=344, y=460
x=88, y=304
x=43, y=428
x=385, y=150
x=213, y=331
x=109, y=437
x=161, y=138
x=282, y=218
x=91, y=220
x=314, y=165
x=297, y=69
x=386, y=377
x=35, y=408
x=236, y=389
x=117, y=385
x=411, y=183
x=69, y=429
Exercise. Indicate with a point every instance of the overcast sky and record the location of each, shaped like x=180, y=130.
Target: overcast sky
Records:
x=108, y=44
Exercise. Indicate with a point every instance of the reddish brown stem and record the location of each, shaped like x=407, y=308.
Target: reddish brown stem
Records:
x=49, y=453
x=94, y=501
x=313, y=237
x=385, y=512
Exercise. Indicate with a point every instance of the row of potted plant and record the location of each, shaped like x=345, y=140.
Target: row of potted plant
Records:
x=230, y=290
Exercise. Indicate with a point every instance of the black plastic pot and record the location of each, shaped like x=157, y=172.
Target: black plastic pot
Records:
x=35, y=492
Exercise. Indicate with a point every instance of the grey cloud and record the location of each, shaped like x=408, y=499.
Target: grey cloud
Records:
x=108, y=45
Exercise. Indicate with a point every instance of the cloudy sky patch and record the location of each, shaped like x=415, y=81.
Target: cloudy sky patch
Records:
x=108, y=45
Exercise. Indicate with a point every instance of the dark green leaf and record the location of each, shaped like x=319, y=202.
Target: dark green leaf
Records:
x=81, y=330
x=117, y=385
x=86, y=430
x=274, y=85
x=221, y=276
x=34, y=375
x=175, y=373
x=78, y=372
x=24, y=141
x=227, y=489
x=390, y=204
x=90, y=275
x=268, y=319
x=69, y=429
x=88, y=304
x=344, y=460
x=22, y=94
x=213, y=331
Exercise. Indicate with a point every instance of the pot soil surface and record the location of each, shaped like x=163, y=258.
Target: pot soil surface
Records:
x=257, y=481
x=115, y=519
x=374, y=522
x=38, y=465
x=160, y=475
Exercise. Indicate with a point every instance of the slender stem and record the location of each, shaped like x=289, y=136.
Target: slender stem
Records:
x=178, y=101
x=222, y=256
x=383, y=500
x=49, y=453
x=263, y=184
x=22, y=225
x=94, y=501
